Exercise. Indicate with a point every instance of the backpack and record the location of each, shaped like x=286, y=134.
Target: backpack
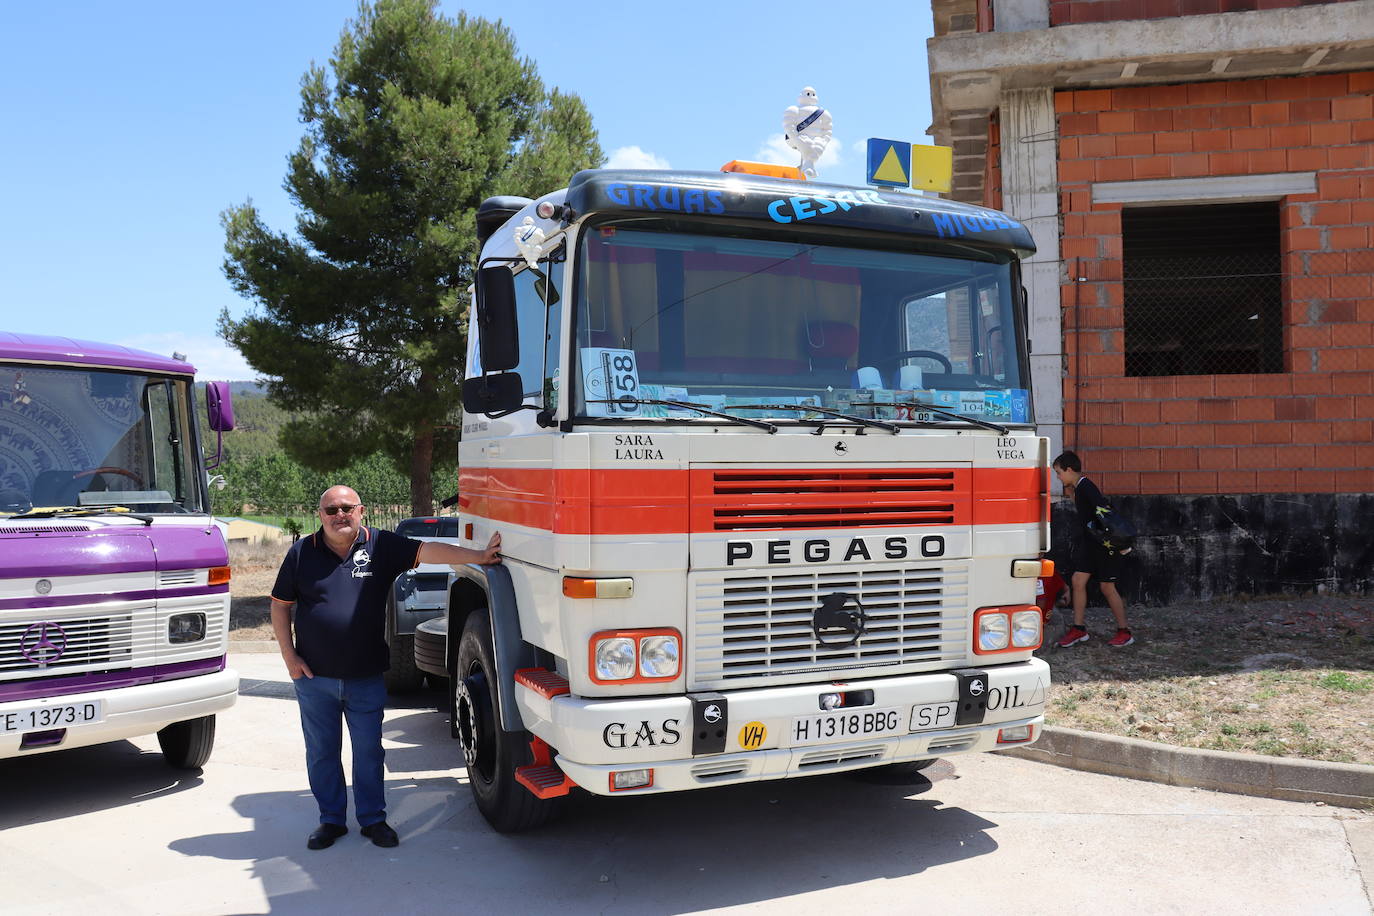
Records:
x=1111, y=529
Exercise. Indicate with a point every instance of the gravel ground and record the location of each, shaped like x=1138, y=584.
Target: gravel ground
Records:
x=1290, y=676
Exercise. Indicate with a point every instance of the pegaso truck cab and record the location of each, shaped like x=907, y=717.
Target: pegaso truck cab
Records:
x=114, y=580
x=763, y=459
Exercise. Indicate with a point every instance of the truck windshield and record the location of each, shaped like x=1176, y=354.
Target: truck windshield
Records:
x=92, y=438
x=730, y=321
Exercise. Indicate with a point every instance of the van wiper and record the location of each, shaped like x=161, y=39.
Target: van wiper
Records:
x=860, y=421
x=931, y=408
x=76, y=511
x=683, y=405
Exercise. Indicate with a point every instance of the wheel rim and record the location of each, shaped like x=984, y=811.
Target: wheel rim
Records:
x=474, y=715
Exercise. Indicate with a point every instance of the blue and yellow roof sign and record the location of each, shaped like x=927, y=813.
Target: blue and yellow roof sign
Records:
x=889, y=163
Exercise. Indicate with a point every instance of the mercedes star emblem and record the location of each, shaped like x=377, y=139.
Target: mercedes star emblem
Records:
x=43, y=643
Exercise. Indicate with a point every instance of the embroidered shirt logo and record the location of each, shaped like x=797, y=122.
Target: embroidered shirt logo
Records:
x=361, y=558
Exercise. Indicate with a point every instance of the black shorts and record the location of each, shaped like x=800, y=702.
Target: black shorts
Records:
x=1104, y=565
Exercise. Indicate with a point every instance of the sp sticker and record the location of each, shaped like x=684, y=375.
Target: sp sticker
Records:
x=752, y=736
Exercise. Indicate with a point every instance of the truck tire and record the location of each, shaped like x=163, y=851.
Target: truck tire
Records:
x=187, y=745
x=403, y=676
x=491, y=754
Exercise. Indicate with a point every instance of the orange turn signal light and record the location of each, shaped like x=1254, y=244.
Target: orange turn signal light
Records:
x=219, y=575
x=578, y=587
x=763, y=168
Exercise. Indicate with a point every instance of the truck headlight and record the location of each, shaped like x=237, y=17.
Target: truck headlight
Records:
x=658, y=656
x=615, y=659
x=186, y=628
x=1025, y=629
x=635, y=656
x=1017, y=628
x=993, y=632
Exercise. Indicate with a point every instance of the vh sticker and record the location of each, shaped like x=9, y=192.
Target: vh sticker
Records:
x=752, y=736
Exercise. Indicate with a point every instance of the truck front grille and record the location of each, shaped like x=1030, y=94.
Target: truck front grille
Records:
x=751, y=499
x=755, y=628
x=56, y=647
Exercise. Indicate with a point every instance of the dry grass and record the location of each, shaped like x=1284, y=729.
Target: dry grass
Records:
x=1290, y=677
x=254, y=569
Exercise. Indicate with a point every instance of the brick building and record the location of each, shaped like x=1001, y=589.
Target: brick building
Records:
x=1199, y=177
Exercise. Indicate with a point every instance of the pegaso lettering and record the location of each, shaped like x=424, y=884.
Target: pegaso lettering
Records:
x=619, y=736
x=953, y=224
x=823, y=550
x=796, y=209
x=666, y=197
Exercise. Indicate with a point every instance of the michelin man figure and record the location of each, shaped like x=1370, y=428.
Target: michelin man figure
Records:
x=806, y=128
x=529, y=241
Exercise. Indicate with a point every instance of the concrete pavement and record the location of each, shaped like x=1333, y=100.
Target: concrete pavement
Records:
x=112, y=830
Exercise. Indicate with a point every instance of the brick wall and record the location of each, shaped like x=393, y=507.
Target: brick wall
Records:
x=1309, y=429
x=1068, y=12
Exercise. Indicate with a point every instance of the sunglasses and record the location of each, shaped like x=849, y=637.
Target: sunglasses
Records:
x=335, y=510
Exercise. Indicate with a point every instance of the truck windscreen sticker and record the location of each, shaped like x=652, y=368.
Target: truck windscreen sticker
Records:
x=666, y=197
x=795, y=209
x=950, y=225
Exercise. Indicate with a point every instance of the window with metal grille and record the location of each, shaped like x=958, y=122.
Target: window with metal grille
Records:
x=1203, y=290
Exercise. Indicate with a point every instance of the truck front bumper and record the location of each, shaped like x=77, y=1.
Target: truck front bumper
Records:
x=782, y=732
x=130, y=711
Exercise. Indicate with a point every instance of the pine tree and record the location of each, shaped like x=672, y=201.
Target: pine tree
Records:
x=359, y=319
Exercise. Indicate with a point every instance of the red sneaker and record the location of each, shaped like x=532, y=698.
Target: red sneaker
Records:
x=1123, y=637
x=1072, y=637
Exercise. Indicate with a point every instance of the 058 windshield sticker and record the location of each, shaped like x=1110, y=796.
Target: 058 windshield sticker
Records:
x=610, y=381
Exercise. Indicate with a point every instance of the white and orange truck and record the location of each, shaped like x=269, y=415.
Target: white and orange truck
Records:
x=763, y=460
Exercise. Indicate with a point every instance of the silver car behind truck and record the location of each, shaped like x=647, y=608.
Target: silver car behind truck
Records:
x=418, y=595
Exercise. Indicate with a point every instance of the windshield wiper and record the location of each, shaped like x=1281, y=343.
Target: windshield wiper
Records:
x=75, y=511
x=861, y=421
x=683, y=405
x=931, y=408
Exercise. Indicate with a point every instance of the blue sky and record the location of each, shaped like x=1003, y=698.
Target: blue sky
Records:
x=131, y=126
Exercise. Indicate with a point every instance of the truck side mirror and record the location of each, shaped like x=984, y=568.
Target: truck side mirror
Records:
x=219, y=410
x=498, y=331
x=493, y=394
x=219, y=406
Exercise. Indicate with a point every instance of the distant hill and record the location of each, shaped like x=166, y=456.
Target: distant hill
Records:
x=256, y=423
x=237, y=388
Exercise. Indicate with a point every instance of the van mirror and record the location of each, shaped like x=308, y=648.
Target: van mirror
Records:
x=493, y=394
x=498, y=332
x=219, y=406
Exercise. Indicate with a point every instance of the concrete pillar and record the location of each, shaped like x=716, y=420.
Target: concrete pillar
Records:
x=1030, y=192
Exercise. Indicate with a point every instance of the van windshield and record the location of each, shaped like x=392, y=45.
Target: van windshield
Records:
x=72, y=437
x=726, y=322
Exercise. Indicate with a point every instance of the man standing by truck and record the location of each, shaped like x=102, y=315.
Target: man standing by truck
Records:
x=336, y=581
x=1091, y=559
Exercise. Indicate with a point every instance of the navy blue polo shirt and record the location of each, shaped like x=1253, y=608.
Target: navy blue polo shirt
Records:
x=340, y=615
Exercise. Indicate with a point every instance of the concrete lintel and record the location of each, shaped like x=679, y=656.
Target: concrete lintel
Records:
x=1207, y=36
x=1200, y=190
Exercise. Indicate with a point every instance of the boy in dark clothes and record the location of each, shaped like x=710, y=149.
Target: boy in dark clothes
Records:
x=1091, y=559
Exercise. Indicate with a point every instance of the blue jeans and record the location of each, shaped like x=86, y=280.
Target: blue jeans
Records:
x=325, y=703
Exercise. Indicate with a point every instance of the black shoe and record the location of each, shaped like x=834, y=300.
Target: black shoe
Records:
x=325, y=835
x=381, y=834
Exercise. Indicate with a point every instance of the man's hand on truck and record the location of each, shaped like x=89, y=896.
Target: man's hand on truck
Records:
x=452, y=554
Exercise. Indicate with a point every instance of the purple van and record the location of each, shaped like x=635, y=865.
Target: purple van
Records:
x=114, y=579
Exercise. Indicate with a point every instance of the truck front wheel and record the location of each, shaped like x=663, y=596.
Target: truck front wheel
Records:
x=187, y=745
x=491, y=754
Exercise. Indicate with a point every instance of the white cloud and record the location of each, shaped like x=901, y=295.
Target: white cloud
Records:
x=212, y=357
x=632, y=157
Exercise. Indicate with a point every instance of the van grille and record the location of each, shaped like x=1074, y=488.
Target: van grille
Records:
x=84, y=642
x=751, y=499
x=754, y=628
